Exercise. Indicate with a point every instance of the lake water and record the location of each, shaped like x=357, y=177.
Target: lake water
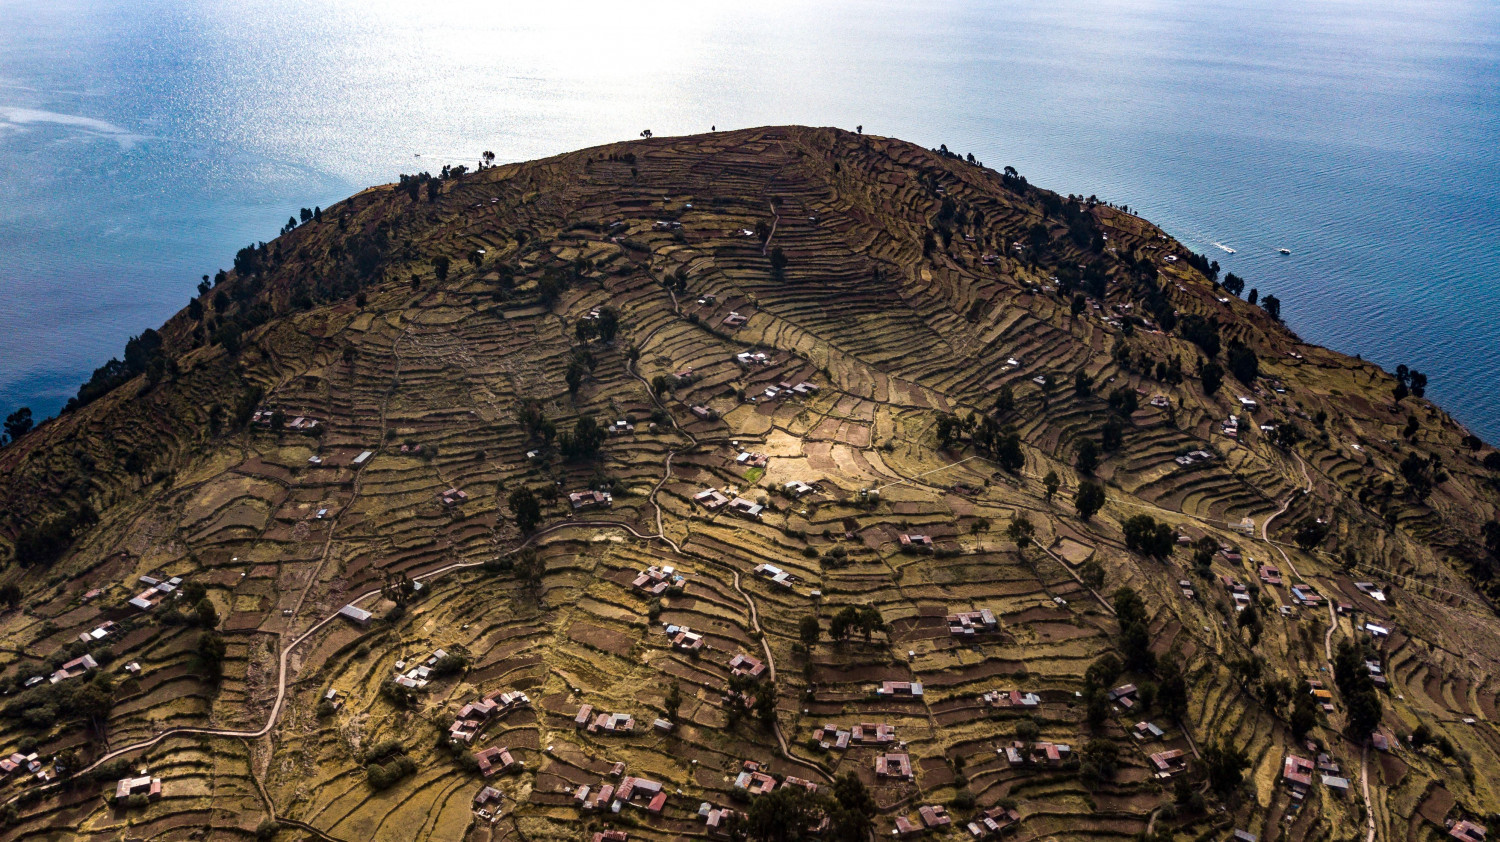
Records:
x=143, y=141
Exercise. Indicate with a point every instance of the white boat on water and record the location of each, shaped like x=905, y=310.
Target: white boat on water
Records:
x=1224, y=247
x=1285, y=251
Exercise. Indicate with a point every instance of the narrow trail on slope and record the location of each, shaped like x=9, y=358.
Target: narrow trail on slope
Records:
x=286, y=652
x=753, y=613
x=359, y=474
x=1364, y=749
x=775, y=219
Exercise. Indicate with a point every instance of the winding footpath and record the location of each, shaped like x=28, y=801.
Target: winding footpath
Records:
x=284, y=661
x=1364, y=751
x=754, y=614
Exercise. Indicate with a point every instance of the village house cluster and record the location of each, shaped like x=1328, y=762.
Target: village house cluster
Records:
x=718, y=819
x=156, y=591
x=473, y=716
x=494, y=760
x=900, y=689
x=755, y=780
x=1166, y=764
x=656, y=580
x=1010, y=699
x=684, y=639
x=298, y=423
x=894, y=765
x=746, y=666
x=18, y=762
x=643, y=793
x=865, y=733
x=1297, y=773
x=992, y=822
x=603, y=723
x=776, y=576
x=1194, y=457
x=931, y=816
x=144, y=785
x=711, y=499
x=968, y=623
x=1040, y=753
x=784, y=389
x=416, y=676
x=590, y=499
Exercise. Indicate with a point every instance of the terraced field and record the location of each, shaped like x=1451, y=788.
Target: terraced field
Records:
x=869, y=316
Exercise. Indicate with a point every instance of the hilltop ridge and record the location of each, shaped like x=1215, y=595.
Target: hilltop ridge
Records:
x=909, y=372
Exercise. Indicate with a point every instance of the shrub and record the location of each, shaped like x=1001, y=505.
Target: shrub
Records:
x=384, y=776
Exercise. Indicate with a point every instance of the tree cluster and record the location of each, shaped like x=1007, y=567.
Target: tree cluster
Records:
x=1135, y=633
x=864, y=619
x=1409, y=381
x=386, y=764
x=584, y=442
x=793, y=813
x=1144, y=535
x=1361, y=698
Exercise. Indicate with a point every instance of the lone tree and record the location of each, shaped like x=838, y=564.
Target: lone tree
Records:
x=1226, y=767
x=778, y=264
x=1310, y=534
x=785, y=814
x=211, y=650
x=1088, y=457
x=1243, y=363
x=440, y=266
x=864, y=619
x=1051, y=483
x=1083, y=385
x=1021, y=531
x=608, y=323
x=585, y=440
x=1089, y=499
x=18, y=423
x=1409, y=381
x=1358, y=689
x=208, y=616
x=1212, y=375
x=808, y=631
x=673, y=702
x=525, y=508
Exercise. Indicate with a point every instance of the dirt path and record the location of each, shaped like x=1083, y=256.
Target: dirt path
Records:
x=1364, y=750
x=359, y=474
x=1079, y=579
x=753, y=614
x=1265, y=527
x=1364, y=789
x=775, y=218
x=913, y=480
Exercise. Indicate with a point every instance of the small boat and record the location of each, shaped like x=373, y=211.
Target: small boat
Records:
x=1285, y=251
x=1225, y=248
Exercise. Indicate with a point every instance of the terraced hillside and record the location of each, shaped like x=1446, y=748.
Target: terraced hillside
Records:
x=776, y=444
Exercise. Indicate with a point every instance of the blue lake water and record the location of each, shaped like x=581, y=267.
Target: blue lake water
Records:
x=143, y=141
